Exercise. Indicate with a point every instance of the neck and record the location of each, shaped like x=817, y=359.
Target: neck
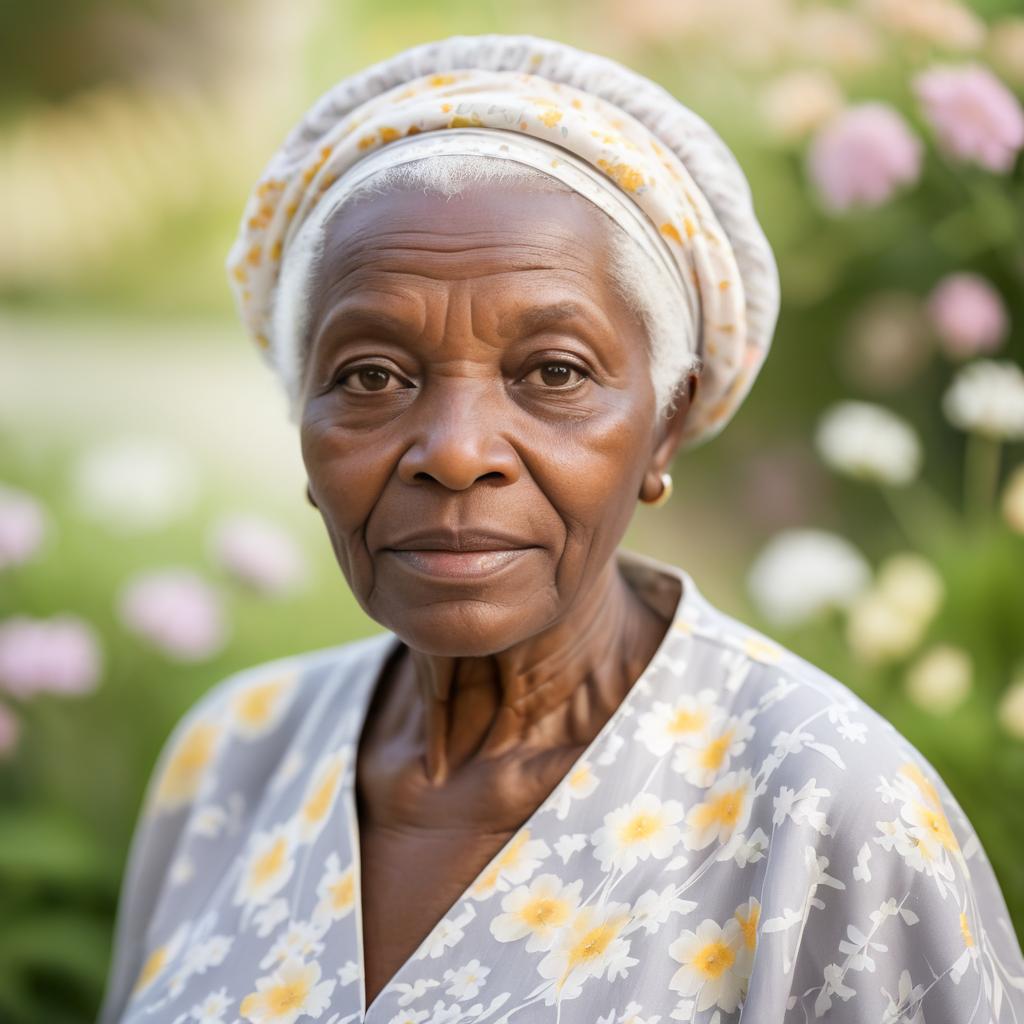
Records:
x=553, y=689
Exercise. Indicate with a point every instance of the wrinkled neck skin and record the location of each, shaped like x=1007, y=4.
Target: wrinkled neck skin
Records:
x=546, y=692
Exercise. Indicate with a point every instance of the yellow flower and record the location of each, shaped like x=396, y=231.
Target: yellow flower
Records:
x=181, y=778
x=294, y=990
x=320, y=796
x=158, y=960
x=536, y=912
x=269, y=864
x=258, y=707
x=965, y=929
x=724, y=812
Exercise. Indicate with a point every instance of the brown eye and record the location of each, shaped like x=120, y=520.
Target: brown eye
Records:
x=558, y=375
x=364, y=379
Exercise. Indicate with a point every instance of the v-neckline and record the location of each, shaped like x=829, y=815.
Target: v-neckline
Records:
x=688, y=599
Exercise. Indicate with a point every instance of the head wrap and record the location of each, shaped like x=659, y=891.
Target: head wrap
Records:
x=650, y=162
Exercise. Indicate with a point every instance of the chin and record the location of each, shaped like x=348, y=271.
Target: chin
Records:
x=462, y=628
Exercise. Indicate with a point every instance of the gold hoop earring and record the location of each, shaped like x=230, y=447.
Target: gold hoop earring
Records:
x=666, y=492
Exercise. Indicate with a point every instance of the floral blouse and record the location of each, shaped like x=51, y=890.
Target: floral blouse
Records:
x=744, y=840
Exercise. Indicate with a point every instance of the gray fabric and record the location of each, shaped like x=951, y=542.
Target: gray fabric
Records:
x=745, y=840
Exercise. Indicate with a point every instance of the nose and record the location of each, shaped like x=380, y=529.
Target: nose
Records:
x=459, y=441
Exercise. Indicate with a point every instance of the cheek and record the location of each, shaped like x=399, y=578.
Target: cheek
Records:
x=347, y=472
x=591, y=470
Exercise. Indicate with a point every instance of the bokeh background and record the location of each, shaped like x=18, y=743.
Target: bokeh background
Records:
x=866, y=506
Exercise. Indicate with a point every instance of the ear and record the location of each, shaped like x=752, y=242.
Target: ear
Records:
x=669, y=436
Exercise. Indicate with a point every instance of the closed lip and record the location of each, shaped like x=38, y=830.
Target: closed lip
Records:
x=458, y=540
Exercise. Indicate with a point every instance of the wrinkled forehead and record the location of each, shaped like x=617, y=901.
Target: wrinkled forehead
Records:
x=487, y=229
x=506, y=240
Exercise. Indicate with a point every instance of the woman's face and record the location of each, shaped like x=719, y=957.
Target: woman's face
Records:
x=478, y=415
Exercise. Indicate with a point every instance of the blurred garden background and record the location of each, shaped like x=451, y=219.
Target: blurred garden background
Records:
x=866, y=506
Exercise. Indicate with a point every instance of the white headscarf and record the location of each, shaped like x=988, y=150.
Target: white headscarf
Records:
x=619, y=139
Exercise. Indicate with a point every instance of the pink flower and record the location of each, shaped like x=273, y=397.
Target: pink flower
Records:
x=22, y=526
x=176, y=611
x=975, y=117
x=968, y=314
x=258, y=554
x=10, y=731
x=58, y=655
x=863, y=155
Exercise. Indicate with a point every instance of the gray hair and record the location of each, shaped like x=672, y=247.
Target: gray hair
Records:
x=630, y=270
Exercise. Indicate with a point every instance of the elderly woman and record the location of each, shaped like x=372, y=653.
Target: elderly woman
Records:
x=504, y=282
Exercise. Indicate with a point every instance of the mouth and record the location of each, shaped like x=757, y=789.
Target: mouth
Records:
x=461, y=555
x=462, y=565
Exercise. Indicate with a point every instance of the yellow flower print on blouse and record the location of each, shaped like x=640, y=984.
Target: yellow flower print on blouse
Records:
x=536, y=912
x=294, y=990
x=513, y=865
x=645, y=827
x=186, y=766
x=335, y=892
x=269, y=865
x=159, y=959
x=666, y=724
x=258, y=706
x=591, y=945
x=712, y=968
x=320, y=796
x=724, y=812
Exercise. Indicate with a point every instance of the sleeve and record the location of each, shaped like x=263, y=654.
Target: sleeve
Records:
x=903, y=918
x=180, y=776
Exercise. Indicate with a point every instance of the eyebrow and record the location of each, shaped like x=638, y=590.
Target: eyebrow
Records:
x=529, y=321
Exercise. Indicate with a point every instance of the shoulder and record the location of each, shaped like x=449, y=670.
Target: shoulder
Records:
x=864, y=846
x=249, y=715
x=820, y=755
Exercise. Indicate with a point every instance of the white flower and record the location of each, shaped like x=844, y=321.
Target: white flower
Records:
x=269, y=917
x=335, y=891
x=465, y=983
x=448, y=932
x=643, y=828
x=869, y=442
x=591, y=944
x=348, y=972
x=269, y=863
x=666, y=724
x=710, y=969
x=294, y=990
x=940, y=679
x=567, y=845
x=801, y=573
x=1011, y=709
x=135, y=484
x=300, y=940
x=987, y=397
x=724, y=812
x=652, y=908
x=578, y=785
x=211, y=1009
x=911, y=584
x=879, y=631
x=702, y=762
x=536, y=911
